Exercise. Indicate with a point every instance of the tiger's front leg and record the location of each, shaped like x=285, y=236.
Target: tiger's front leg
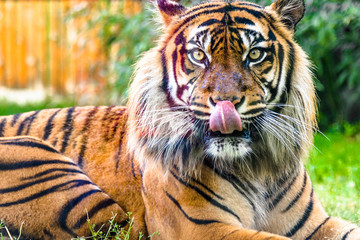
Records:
x=193, y=209
x=296, y=212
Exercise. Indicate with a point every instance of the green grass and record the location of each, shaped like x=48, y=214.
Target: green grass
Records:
x=8, y=234
x=114, y=231
x=335, y=172
x=9, y=108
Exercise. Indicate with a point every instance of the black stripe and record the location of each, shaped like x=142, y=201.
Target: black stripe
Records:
x=118, y=153
x=48, y=233
x=185, y=145
x=132, y=166
x=207, y=188
x=194, y=220
x=88, y=120
x=67, y=129
x=115, y=123
x=27, y=121
x=65, y=211
x=274, y=90
x=49, y=125
x=206, y=196
x=282, y=194
x=271, y=35
x=31, y=144
x=2, y=126
x=52, y=170
x=235, y=182
x=346, y=234
x=267, y=70
x=209, y=22
x=316, y=229
x=283, y=98
x=304, y=218
x=50, y=190
x=201, y=7
x=278, y=185
x=256, y=102
x=250, y=185
x=15, y=118
x=29, y=184
x=199, y=105
x=33, y=117
x=101, y=205
x=253, y=111
x=165, y=80
x=201, y=184
x=298, y=195
x=31, y=164
x=105, y=124
x=199, y=113
x=245, y=21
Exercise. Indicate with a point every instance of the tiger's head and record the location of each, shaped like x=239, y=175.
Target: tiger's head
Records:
x=226, y=85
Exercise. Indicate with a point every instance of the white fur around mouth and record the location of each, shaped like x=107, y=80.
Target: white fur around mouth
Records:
x=228, y=147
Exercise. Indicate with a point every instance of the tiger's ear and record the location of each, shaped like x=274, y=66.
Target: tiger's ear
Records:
x=290, y=11
x=170, y=9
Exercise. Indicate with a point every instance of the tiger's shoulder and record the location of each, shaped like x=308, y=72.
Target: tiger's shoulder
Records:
x=49, y=193
x=68, y=129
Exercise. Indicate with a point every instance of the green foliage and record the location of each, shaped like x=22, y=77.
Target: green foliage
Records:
x=123, y=37
x=330, y=34
x=334, y=169
x=114, y=231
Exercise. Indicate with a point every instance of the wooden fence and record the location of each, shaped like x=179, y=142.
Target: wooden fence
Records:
x=41, y=46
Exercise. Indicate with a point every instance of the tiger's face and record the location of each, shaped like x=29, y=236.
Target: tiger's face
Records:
x=225, y=69
x=228, y=72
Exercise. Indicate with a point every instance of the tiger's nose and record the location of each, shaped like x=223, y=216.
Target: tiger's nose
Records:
x=225, y=118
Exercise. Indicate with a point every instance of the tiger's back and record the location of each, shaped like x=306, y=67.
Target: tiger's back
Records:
x=48, y=193
x=94, y=138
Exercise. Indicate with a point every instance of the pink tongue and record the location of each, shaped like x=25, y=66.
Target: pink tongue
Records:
x=225, y=118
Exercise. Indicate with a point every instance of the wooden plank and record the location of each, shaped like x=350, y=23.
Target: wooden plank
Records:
x=2, y=43
x=53, y=35
x=20, y=49
x=30, y=40
x=36, y=45
x=10, y=29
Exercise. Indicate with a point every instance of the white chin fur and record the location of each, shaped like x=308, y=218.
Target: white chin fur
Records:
x=228, y=148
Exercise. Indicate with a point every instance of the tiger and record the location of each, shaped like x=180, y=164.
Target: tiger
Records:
x=211, y=144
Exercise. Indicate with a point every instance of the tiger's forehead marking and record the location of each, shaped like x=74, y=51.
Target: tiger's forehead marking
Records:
x=229, y=29
x=237, y=16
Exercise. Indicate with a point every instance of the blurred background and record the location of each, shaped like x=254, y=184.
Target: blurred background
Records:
x=66, y=53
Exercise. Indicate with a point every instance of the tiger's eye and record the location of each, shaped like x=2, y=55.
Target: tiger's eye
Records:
x=254, y=54
x=198, y=55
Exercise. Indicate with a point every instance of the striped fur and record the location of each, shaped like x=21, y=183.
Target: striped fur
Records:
x=49, y=193
x=94, y=139
x=159, y=159
x=274, y=95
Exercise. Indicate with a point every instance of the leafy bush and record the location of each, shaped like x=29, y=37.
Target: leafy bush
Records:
x=330, y=34
x=124, y=38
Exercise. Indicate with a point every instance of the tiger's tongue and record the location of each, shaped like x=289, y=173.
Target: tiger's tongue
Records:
x=225, y=118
